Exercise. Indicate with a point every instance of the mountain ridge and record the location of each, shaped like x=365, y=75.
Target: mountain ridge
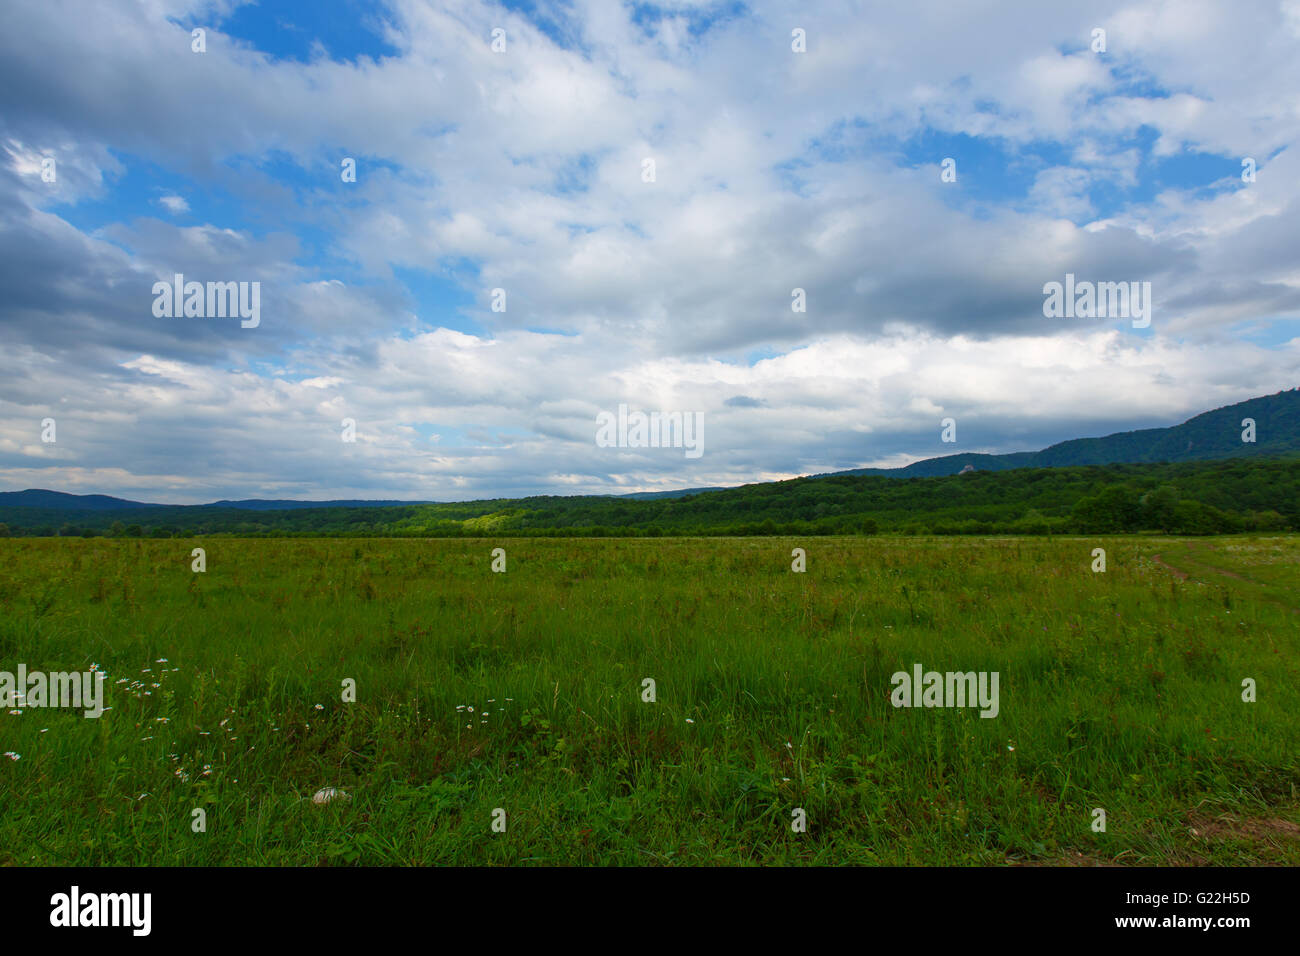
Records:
x=1206, y=436
x=1209, y=435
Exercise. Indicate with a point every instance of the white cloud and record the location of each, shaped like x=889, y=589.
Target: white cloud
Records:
x=174, y=204
x=522, y=171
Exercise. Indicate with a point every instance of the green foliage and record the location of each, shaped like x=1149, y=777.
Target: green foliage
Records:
x=1210, y=435
x=523, y=691
x=1213, y=497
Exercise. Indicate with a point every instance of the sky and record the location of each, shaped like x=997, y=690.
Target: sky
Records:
x=509, y=147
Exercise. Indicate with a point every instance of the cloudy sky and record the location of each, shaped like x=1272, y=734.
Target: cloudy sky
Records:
x=525, y=169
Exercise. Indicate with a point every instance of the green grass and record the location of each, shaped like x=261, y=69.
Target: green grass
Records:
x=1119, y=690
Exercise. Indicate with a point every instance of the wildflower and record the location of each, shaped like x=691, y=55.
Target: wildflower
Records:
x=13, y=756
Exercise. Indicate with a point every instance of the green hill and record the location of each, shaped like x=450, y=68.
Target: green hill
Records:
x=1195, y=478
x=1197, y=497
x=1210, y=435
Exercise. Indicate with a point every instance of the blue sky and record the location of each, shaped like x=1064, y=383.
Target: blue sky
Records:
x=523, y=170
x=341, y=30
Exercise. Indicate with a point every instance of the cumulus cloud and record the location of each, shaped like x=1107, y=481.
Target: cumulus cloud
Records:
x=174, y=204
x=525, y=171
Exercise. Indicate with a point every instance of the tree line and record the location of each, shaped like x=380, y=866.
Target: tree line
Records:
x=1208, y=497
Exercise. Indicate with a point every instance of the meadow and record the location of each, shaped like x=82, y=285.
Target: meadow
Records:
x=524, y=692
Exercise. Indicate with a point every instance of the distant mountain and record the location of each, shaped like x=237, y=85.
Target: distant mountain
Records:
x=58, y=501
x=1210, y=435
x=679, y=493
x=288, y=504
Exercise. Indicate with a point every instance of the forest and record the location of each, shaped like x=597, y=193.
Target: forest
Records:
x=1186, y=498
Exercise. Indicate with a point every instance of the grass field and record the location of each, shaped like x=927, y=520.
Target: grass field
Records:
x=1119, y=690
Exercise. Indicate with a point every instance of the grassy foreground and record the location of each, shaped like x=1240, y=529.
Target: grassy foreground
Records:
x=1119, y=690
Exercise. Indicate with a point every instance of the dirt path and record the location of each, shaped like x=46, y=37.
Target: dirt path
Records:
x=1194, y=547
x=1204, y=572
x=1180, y=575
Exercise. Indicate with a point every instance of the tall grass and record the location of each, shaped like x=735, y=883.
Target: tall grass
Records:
x=1119, y=691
